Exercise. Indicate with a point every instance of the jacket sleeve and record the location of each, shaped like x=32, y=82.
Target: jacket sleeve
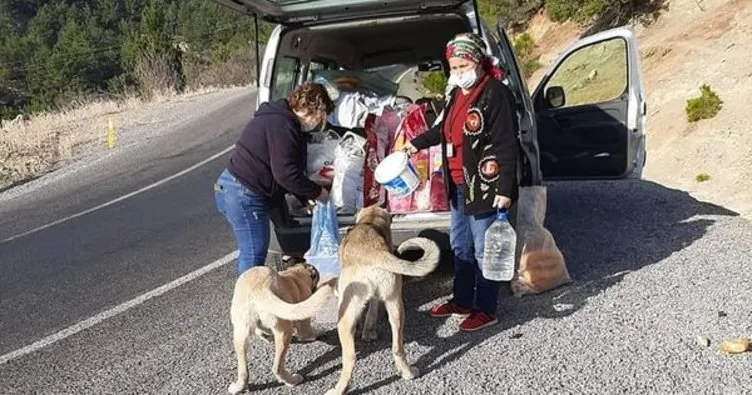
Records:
x=433, y=135
x=285, y=148
x=428, y=139
x=503, y=122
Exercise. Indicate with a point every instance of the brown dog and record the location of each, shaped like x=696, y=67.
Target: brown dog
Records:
x=264, y=300
x=369, y=274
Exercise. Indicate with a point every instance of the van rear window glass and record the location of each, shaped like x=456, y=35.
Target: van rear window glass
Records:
x=286, y=75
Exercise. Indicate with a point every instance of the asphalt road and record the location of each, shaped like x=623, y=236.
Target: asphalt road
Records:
x=654, y=269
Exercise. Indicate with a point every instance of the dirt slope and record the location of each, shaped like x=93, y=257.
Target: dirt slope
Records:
x=692, y=43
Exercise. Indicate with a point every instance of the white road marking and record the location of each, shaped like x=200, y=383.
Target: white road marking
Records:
x=121, y=198
x=88, y=323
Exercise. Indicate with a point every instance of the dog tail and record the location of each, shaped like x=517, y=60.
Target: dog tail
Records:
x=296, y=311
x=426, y=264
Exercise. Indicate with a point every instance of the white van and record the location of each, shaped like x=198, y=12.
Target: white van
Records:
x=585, y=120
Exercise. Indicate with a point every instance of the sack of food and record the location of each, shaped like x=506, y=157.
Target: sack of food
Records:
x=541, y=264
x=347, y=186
x=412, y=125
x=439, y=201
x=321, y=154
x=373, y=192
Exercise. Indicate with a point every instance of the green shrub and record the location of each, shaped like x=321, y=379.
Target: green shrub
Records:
x=561, y=10
x=704, y=107
x=435, y=82
x=524, y=47
x=702, y=177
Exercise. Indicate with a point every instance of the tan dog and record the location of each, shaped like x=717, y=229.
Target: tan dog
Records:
x=370, y=273
x=264, y=300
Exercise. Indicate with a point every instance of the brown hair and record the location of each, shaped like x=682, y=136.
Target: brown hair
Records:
x=310, y=97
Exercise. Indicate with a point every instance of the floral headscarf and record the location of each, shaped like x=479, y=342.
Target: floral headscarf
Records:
x=471, y=47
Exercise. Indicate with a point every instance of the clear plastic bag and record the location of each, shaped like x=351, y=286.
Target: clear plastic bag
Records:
x=322, y=252
x=542, y=266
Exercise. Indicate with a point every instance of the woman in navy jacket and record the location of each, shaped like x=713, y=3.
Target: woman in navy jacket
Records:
x=270, y=160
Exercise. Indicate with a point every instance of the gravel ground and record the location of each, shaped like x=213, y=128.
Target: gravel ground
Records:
x=653, y=269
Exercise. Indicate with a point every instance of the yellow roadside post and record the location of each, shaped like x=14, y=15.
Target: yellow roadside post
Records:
x=111, y=137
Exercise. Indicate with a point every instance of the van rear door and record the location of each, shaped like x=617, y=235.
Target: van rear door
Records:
x=590, y=110
x=301, y=11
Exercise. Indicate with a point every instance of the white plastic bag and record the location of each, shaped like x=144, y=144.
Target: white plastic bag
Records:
x=347, y=187
x=350, y=110
x=321, y=156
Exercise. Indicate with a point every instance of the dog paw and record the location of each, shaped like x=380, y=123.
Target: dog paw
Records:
x=236, y=388
x=411, y=374
x=310, y=337
x=293, y=380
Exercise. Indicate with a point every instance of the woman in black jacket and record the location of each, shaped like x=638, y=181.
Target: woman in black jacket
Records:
x=270, y=160
x=478, y=134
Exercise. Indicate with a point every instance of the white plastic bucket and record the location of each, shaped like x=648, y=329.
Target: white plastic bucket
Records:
x=397, y=174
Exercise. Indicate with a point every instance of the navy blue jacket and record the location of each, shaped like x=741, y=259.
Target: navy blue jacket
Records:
x=270, y=155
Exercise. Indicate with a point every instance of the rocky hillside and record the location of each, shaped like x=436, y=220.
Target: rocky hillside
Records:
x=690, y=43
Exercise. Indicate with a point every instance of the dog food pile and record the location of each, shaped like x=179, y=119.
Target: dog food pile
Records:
x=349, y=162
x=367, y=125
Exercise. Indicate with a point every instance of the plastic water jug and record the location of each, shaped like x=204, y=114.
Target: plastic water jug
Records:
x=498, y=255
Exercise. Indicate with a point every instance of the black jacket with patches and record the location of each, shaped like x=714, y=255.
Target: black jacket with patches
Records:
x=492, y=137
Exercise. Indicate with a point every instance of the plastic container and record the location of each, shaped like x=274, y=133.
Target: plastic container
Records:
x=498, y=255
x=397, y=174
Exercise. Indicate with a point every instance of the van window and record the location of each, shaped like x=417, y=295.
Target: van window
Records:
x=314, y=65
x=286, y=77
x=593, y=74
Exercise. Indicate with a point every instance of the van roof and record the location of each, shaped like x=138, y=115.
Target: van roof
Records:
x=311, y=11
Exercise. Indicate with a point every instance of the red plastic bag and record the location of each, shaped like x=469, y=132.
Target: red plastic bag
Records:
x=414, y=124
x=439, y=199
x=372, y=190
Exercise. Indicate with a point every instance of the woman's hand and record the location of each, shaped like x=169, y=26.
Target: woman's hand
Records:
x=409, y=149
x=323, y=180
x=502, y=202
x=323, y=196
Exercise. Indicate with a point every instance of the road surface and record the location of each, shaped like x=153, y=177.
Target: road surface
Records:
x=654, y=268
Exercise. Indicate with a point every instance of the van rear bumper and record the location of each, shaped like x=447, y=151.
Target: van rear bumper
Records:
x=295, y=240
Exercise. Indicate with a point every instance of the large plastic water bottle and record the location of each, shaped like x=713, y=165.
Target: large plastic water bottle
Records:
x=498, y=256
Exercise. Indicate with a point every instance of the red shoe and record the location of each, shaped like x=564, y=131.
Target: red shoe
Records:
x=477, y=321
x=448, y=309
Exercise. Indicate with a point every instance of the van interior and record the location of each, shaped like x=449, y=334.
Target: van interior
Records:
x=392, y=47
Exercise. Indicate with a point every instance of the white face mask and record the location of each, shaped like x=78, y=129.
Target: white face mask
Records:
x=464, y=80
x=306, y=126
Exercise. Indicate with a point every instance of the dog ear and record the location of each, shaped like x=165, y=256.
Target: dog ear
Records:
x=292, y=260
x=315, y=276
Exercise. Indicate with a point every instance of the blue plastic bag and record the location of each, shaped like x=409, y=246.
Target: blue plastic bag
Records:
x=322, y=252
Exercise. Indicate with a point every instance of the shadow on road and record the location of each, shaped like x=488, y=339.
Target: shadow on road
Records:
x=604, y=229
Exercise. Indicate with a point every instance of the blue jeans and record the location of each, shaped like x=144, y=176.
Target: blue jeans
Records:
x=248, y=214
x=467, y=238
